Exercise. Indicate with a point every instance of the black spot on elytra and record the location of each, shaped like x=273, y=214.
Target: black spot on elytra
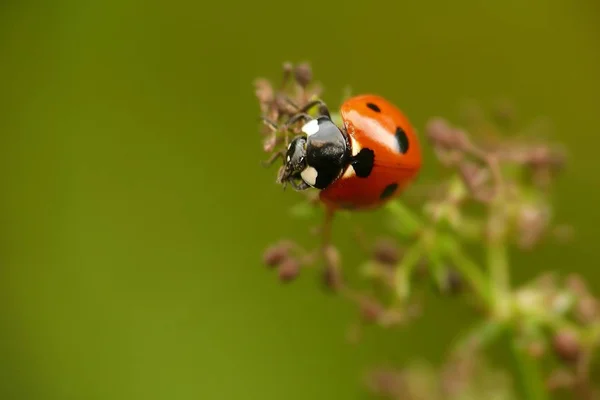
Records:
x=402, y=140
x=388, y=191
x=373, y=107
x=363, y=162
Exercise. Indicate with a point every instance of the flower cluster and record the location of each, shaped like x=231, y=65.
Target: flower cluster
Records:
x=493, y=197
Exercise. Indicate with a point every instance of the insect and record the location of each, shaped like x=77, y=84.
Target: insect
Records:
x=360, y=165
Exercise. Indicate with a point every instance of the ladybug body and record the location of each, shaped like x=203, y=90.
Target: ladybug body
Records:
x=360, y=165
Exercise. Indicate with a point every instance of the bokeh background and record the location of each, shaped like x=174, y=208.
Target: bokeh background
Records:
x=135, y=211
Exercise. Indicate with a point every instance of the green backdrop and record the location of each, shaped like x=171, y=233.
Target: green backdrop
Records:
x=135, y=211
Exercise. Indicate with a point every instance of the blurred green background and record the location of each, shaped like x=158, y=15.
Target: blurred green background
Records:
x=135, y=211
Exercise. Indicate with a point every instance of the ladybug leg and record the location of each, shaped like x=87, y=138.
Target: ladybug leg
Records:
x=271, y=124
x=272, y=159
x=326, y=227
x=323, y=109
x=296, y=118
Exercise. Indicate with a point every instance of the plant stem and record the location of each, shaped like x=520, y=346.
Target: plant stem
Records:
x=499, y=276
x=467, y=268
x=409, y=223
x=529, y=373
x=405, y=269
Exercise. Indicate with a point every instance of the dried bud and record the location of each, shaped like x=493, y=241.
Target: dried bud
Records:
x=532, y=223
x=454, y=282
x=386, y=252
x=332, y=278
x=546, y=282
x=303, y=74
x=536, y=349
x=543, y=164
x=475, y=179
x=450, y=283
x=274, y=255
x=269, y=143
x=332, y=257
x=289, y=270
x=439, y=131
x=387, y=383
x=264, y=93
x=287, y=67
x=576, y=284
x=587, y=310
x=543, y=156
x=559, y=379
x=370, y=309
x=457, y=372
x=566, y=345
x=444, y=135
x=283, y=104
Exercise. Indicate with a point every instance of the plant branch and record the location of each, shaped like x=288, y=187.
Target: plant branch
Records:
x=499, y=277
x=529, y=374
x=467, y=267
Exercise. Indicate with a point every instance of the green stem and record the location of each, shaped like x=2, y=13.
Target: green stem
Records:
x=529, y=374
x=480, y=336
x=467, y=268
x=499, y=276
x=408, y=222
x=405, y=269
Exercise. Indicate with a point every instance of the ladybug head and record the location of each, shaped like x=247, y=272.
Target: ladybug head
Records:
x=318, y=158
x=295, y=163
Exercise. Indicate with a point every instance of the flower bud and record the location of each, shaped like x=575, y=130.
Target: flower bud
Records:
x=386, y=252
x=264, y=93
x=454, y=282
x=274, y=255
x=587, y=310
x=269, y=143
x=289, y=270
x=536, y=349
x=370, y=309
x=566, y=345
x=576, y=284
x=303, y=74
x=332, y=278
x=332, y=257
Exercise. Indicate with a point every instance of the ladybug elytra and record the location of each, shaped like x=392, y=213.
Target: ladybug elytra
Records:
x=363, y=163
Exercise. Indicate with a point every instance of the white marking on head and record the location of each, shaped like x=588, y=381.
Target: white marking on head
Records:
x=311, y=127
x=309, y=175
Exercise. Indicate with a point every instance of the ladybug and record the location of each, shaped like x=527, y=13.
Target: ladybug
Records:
x=360, y=165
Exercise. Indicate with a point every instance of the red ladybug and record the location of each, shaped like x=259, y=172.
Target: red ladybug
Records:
x=360, y=165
